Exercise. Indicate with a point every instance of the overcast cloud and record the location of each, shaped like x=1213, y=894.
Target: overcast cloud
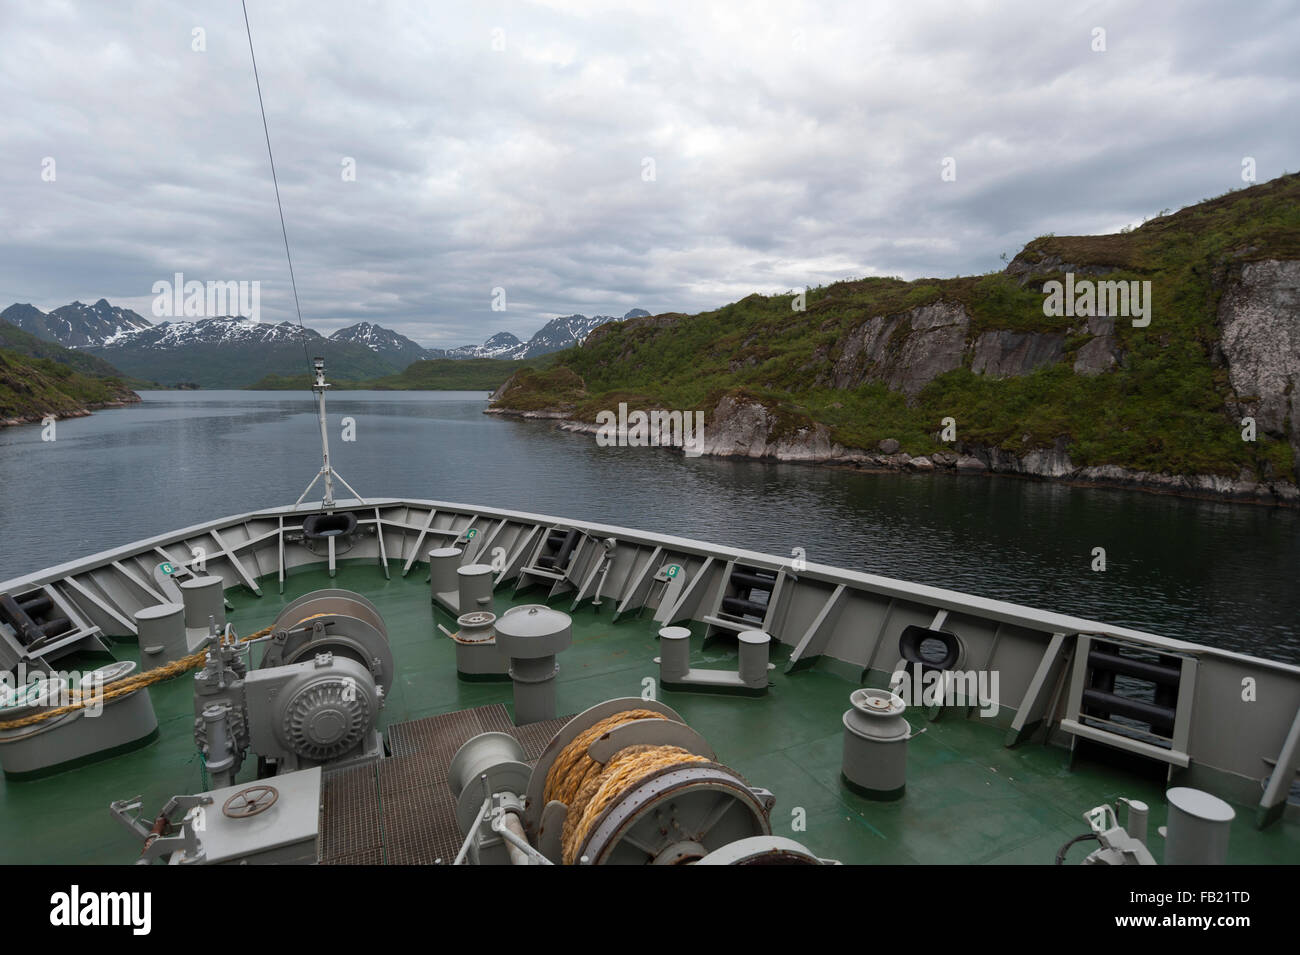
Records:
x=793, y=144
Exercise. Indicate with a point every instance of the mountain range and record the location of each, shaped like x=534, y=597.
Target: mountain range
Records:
x=77, y=325
x=234, y=352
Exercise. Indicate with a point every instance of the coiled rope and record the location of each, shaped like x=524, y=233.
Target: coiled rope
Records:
x=587, y=787
x=622, y=773
x=124, y=687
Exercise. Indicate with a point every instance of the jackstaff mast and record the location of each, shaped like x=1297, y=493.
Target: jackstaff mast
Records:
x=319, y=387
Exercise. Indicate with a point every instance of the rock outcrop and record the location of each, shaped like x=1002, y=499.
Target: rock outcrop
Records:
x=1100, y=353
x=739, y=427
x=1259, y=320
x=744, y=427
x=1005, y=354
x=905, y=351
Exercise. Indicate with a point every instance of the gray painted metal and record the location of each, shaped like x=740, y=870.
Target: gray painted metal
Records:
x=443, y=586
x=1198, y=828
x=674, y=654
x=752, y=664
x=761, y=850
x=338, y=621
x=1174, y=753
x=1046, y=677
x=476, y=646
x=875, y=742
x=814, y=638
x=287, y=832
x=675, y=816
x=204, y=602
x=488, y=764
x=649, y=732
x=1229, y=748
x=323, y=710
x=531, y=636
x=691, y=594
x=641, y=580
x=80, y=734
x=474, y=587
x=1273, y=802
x=1138, y=815
x=162, y=633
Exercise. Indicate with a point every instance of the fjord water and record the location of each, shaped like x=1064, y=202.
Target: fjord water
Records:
x=1212, y=572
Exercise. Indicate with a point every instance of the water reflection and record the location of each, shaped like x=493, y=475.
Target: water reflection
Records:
x=1201, y=570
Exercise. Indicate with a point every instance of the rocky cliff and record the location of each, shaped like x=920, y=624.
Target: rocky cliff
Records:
x=1139, y=359
x=1259, y=322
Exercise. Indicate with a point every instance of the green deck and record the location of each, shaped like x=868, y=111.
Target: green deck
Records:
x=968, y=800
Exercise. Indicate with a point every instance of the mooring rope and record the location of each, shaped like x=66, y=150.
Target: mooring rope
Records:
x=587, y=787
x=124, y=687
x=572, y=767
x=622, y=773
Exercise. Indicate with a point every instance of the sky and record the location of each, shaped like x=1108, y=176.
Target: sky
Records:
x=597, y=157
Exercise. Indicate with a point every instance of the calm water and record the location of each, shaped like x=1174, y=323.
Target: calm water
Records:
x=1204, y=571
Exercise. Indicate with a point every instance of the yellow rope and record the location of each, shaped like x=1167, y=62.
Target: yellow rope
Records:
x=129, y=685
x=587, y=787
x=573, y=766
x=623, y=772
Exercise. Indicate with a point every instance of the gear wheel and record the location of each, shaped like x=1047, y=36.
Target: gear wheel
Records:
x=238, y=729
x=327, y=718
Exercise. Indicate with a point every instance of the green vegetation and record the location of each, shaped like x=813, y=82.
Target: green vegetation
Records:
x=438, y=374
x=212, y=365
x=1163, y=409
x=25, y=343
x=31, y=388
x=533, y=390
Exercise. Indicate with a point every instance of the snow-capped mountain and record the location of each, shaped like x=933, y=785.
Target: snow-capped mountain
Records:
x=226, y=330
x=555, y=335
x=565, y=332
x=385, y=342
x=233, y=351
x=500, y=345
x=77, y=325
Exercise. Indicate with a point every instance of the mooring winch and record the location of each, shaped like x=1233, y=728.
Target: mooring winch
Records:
x=314, y=700
x=625, y=782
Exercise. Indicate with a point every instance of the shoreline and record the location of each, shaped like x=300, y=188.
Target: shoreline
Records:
x=1043, y=465
x=85, y=411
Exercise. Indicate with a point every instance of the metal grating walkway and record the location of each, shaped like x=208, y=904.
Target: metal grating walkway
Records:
x=399, y=810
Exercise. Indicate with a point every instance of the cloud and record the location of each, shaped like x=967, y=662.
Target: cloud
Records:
x=792, y=144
